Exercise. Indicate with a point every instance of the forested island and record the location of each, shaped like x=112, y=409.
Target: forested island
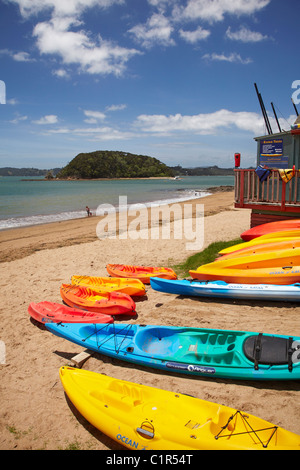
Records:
x=113, y=164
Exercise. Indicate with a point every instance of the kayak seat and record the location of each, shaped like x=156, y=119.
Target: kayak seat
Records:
x=268, y=350
x=220, y=420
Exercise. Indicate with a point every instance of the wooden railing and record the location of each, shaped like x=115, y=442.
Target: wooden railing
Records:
x=273, y=194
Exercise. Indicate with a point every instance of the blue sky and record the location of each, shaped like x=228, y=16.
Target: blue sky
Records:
x=173, y=79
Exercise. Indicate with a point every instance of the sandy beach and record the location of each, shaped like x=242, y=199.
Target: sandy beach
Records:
x=35, y=413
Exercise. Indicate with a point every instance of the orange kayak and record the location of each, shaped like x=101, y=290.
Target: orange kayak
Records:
x=51, y=312
x=109, y=303
x=132, y=287
x=264, y=239
x=143, y=273
x=271, y=227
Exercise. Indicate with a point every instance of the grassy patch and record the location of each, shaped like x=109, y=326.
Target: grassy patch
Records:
x=206, y=256
x=17, y=434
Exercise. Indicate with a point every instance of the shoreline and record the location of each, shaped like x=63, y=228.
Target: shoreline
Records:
x=100, y=179
x=19, y=242
x=42, y=219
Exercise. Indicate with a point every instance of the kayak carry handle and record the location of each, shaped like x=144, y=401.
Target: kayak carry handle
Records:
x=146, y=433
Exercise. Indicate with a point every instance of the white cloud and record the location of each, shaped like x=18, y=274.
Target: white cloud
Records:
x=94, y=116
x=60, y=7
x=194, y=36
x=202, y=124
x=215, y=10
x=116, y=107
x=19, y=119
x=94, y=133
x=245, y=35
x=157, y=30
x=22, y=57
x=161, y=3
x=61, y=73
x=17, y=56
x=76, y=47
x=232, y=58
x=48, y=119
x=59, y=36
x=12, y=101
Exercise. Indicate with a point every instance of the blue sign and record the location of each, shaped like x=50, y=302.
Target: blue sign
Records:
x=271, y=154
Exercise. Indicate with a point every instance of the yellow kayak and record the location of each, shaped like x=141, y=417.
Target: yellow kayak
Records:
x=146, y=418
x=282, y=267
x=132, y=287
x=271, y=237
x=287, y=257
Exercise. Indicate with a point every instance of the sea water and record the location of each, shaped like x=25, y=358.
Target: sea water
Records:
x=24, y=201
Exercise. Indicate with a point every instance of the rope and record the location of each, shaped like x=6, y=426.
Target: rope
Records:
x=254, y=431
x=114, y=335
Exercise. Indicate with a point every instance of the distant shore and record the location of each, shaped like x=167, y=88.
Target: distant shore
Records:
x=98, y=179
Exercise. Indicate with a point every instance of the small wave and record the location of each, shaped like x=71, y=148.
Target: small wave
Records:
x=17, y=222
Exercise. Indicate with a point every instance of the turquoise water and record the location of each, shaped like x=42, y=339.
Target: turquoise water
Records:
x=24, y=202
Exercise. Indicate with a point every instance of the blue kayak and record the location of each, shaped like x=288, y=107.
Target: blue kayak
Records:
x=194, y=351
x=222, y=289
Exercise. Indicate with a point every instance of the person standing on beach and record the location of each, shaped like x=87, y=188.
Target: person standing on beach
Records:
x=88, y=211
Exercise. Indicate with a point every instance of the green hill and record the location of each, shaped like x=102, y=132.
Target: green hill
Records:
x=10, y=171
x=113, y=164
x=202, y=171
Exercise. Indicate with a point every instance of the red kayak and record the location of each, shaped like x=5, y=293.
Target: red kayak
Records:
x=271, y=227
x=50, y=312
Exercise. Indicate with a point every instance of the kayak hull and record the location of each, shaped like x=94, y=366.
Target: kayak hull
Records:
x=110, y=303
x=222, y=289
x=193, y=351
x=261, y=248
x=271, y=227
x=143, y=273
x=277, y=275
x=282, y=267
x=263, y=240
x=51, y=312
x=146, y=418
x=132, y=287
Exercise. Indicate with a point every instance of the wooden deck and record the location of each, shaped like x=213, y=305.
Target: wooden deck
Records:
x=273, y=199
